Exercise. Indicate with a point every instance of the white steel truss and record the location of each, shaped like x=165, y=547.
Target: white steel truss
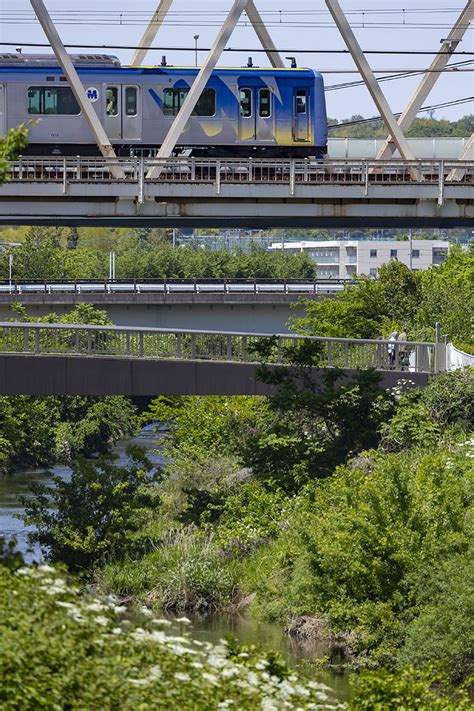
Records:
x=76, y=85
x=435, y=70
x=369, y=79
x=396, y=129
x=253, y=15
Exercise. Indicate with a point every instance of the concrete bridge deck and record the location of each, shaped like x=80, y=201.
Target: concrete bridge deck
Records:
x=246, y=193
x=264, y=306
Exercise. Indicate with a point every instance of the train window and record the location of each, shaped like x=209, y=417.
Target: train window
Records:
x=246, y=102
x=111, y=101
x=173, y=99
x=265, y=104
x=46, y=100
x=131, y=101
x=301, y=99
x=206, y=106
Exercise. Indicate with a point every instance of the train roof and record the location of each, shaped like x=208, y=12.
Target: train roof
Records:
x=95, y=63
x=49, y=60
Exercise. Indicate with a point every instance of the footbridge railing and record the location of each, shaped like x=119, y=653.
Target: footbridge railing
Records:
x=161, y=343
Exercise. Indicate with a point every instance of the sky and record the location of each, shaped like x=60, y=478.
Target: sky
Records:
x=296, y=25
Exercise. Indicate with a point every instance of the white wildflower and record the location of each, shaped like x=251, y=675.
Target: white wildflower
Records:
x=183, y=620
x=268, y=704
x=119, y=609
x=46, y=569
x=261, y=665
x=211, y=678
x=101, y=620
x=154, y=672
x=162, y=623
x=146, y=612
x=117, y=630
x=139, y=682
x=229, y=672
x=96, y=606
x=179, y=676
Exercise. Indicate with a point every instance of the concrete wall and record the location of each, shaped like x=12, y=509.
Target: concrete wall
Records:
x=256, y=318
x=75, y=375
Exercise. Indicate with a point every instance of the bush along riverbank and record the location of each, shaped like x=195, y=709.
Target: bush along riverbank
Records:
x=342, y=511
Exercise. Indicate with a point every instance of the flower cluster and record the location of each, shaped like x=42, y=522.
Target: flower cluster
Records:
x=90, y=647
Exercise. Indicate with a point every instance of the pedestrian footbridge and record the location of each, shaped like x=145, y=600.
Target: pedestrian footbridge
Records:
x=67, y=359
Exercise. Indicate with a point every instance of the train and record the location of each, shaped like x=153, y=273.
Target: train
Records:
x=242, y=112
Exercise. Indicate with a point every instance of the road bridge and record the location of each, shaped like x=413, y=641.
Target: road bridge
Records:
x=258, y=305
x=250, y=192
x=52, y=359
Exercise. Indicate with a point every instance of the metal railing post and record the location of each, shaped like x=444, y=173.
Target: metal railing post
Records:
x=218, y=177
x=244, y=349
x=37, y=341
x=292, y=177
x=441, y=184
x=366, y=177
x=193, y=346
x=64, y=176
x=26, y=335
x=141, y=180
x=178, y=345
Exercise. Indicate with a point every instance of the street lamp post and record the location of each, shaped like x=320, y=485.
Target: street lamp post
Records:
x=196, y=37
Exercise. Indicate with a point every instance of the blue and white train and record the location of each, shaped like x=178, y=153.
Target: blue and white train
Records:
x=275, y=113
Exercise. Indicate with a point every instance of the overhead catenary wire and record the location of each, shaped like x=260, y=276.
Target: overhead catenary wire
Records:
x=377, y=119
x=254, y=50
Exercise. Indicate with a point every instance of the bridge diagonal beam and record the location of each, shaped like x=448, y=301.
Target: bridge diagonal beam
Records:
x=253, y=15
x=467, y=154
x=150, y=33
x=434, y=72
x=263, y=35
x=370, y=80
x=103, y=142
x=198, y=86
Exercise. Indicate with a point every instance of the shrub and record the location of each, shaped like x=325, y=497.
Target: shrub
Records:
x=99, y=514
x=408, y=689
x=360, y=540
x=59, y=649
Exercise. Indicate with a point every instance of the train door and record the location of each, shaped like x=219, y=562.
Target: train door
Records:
x=301, y=130
x=264, y=115
x=131, y=113
x=112, y=104
x=3, y=110
x=247, y=109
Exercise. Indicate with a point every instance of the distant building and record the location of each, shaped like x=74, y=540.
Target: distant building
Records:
x=343, y=259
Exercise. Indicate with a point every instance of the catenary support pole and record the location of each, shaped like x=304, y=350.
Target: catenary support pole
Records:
x=426, y=85
x=151, y=32
x=263, y=35
x=103, y=142
x=199, y=83
x=369, y=78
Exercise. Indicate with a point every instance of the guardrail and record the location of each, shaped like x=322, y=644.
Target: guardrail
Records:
x=219, y=171
x=161, y=343
x=170, y=286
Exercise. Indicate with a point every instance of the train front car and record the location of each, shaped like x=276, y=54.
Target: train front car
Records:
x=273, y=113
x=242, y=112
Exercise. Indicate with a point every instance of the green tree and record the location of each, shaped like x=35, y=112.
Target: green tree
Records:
x=10, y=145
x=97, y=515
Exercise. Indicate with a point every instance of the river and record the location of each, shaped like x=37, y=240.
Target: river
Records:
x=212, y=627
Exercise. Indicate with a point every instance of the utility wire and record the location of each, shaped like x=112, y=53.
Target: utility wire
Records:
x=255, y=50
x=377, y=119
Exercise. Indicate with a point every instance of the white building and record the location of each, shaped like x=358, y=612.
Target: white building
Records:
x=342, y=259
